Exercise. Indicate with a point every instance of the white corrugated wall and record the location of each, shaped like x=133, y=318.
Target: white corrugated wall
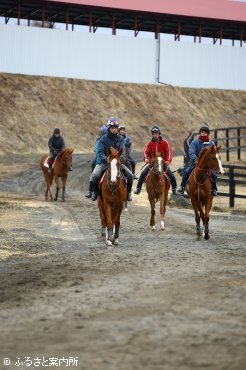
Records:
x=47, y=52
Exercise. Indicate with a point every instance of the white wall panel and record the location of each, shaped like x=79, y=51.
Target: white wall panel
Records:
x=207, y=66
x=48, y=52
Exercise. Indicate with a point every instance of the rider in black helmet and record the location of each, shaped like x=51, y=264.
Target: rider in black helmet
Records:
x=195, y=149
x=56, y=143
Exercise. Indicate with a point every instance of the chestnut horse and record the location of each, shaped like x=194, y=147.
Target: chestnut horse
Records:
x=199, y=186
x=63, y=164
x=112, y=198
x=157, y=187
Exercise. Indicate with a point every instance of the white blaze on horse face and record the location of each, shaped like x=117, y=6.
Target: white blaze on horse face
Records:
x=160, y=164
x=114, y=170
x=220, y=164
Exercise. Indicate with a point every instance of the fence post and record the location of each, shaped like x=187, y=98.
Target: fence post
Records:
x=216, y=137
x=227, y=145
x=238, y=144
x=231, y=186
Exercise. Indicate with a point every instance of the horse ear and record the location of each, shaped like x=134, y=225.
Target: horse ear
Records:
x=71, y=150
x=218, y=148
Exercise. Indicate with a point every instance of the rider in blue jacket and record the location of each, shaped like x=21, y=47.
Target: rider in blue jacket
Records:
x=195, y=149
x=103, y=131
x=110, y=139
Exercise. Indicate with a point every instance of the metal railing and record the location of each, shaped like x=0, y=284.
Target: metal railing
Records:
x=236, y=175
x=231, y=139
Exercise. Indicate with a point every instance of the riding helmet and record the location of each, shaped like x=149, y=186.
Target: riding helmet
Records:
x=204, y=128
x=57, y=131
x=112, y=123
x=122, y=127
x=103, y=129
x=156, y=129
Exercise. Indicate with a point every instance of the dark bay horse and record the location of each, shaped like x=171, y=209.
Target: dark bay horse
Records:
x=199, y=186
x=157, y=187
x=112, y=198
x=63, y=164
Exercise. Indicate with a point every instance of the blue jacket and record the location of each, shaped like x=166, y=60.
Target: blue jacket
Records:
x=196, y=147
x=104, y=144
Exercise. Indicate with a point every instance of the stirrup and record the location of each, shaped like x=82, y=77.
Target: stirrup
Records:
x=94, y=196
x=88, y=194
x=181, y=190
x=214, y=193
x=137, y=191
x=129, y=197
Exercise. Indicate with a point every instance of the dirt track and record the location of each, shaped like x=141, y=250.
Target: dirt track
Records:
x=158, y=301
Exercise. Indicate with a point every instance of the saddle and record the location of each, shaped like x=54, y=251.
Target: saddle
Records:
x=104, y=174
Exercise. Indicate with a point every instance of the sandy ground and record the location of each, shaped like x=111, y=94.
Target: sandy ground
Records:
x=158, y=301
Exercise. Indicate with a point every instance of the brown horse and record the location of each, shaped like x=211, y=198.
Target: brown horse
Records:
x=199, y=186
x=112, y=198
x=63, y=164
x=157, y=188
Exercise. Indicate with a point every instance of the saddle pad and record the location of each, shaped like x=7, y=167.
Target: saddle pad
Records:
x=46, y=162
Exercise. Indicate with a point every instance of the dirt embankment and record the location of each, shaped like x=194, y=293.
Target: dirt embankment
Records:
x=32, y=106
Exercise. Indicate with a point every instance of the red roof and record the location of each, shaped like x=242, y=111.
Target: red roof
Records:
x=231, y=10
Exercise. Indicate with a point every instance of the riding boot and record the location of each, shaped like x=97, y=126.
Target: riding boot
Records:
x=129, y=189
x=139, y=184
x=95, y=192
x=214, y=189
x=89, y=193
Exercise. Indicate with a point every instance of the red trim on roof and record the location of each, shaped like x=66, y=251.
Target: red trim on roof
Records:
x=231, y=10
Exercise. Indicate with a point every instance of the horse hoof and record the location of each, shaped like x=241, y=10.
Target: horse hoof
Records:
x=162, y=225
x=206, y=236
x=126, y=210
x=109, y=243
x=115, y=242
x=153, y=228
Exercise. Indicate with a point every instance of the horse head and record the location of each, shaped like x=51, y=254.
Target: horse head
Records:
x=210, y=159
x=157, y=164
x=113, y=164
x=67, y=158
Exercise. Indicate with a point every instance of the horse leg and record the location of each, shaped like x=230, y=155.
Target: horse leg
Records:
x=102, y=216
x=197, y=217
x=48, y=180
x=117, y=226
x=206, y=223
x=162, y=210
x=57, y=187
x=109, y=224
x=126, y=203
x=64, y=180
x=152, y=217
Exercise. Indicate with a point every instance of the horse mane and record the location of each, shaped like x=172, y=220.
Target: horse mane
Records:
x=66, y=151
x=203, y=152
